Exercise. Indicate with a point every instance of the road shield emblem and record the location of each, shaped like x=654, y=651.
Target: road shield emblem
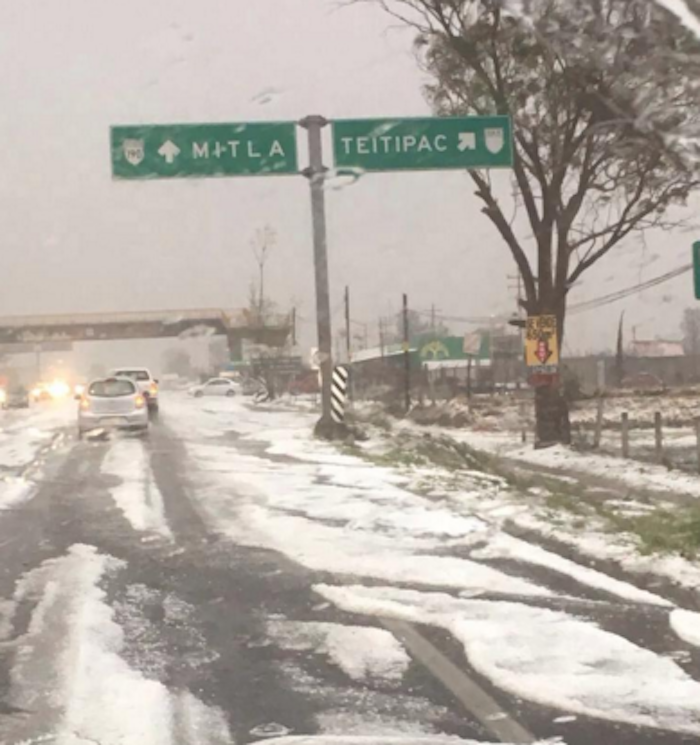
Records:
x=435, y=350
x=494, y=139
x=134, y=151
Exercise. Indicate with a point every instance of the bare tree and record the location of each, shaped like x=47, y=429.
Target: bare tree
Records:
x=604, y=100
x=262, y=244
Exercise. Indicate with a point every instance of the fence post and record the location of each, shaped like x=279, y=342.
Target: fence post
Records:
x=469, y=378
x=625, y=435
x=697, y=437
x=598, y=432
x=658, y=437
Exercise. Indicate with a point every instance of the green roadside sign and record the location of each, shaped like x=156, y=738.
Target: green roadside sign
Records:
x=423, y=144
x=204, y=150
x=696, y=268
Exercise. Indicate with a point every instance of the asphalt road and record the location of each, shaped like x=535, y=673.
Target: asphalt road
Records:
x=195, y=610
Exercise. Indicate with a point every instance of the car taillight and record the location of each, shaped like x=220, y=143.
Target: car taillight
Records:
x=84, y=403
x=140, y=402
x=153, y=389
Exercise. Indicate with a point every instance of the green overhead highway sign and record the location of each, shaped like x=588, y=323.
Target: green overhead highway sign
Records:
x=423, y=144
x=204, y=150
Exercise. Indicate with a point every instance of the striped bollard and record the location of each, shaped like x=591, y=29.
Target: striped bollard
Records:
x=339, y=393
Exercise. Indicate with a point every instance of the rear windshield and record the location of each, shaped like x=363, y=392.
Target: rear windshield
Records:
x=111, y=388
x=133, y=374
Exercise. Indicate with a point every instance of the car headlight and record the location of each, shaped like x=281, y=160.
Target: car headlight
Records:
x=3, y=396
x=59, y=389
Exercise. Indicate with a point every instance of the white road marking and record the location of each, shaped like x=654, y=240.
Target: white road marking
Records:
x=474, y=699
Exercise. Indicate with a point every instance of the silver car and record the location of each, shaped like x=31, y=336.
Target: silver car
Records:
x=112, y=403
x=217, y=387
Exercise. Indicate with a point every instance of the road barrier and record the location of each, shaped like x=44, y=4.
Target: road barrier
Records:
x=339, y=389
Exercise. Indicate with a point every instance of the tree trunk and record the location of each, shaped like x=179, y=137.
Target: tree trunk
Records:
x=552, y=424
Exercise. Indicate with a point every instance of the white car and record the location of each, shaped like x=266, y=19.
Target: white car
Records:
x=146, y=383
x=217, y=387
x=112, y=403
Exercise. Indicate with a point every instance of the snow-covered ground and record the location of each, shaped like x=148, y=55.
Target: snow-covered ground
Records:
x=137, y=494
x=362, y=652
x=598, y=542
x=676, y=407
x=419, y=543
x=687, y=625
x=24, y=434
x=69, y=673
x=501, y=419
x=639, y=475
x=546, y=656
x=511, y=412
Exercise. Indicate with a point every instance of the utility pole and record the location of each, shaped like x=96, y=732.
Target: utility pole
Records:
x=262, y=244
x=406, y=355
x=381, y=336
x=432, y=318
x=294, y=327
x=316, y=173
x=348, y=338
x=515, y=283
x=519, y=310
x=351, y=382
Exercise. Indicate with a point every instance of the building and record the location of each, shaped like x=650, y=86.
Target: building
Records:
x=656, y=348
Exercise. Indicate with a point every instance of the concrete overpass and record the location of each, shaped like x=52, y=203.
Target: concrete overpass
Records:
x=235, y=325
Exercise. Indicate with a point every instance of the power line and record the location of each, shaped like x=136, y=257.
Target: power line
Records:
x=581, y=307
x=463, y=319
x=613, y=297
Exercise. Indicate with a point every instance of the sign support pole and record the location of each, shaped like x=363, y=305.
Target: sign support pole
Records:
x=316, y=173
x=348, y=346
x=406, y=356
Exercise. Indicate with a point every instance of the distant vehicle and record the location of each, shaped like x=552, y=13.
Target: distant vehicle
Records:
x=146, y=383
x=58, y=389
x=217, y=387
x=16, y=397
x=112, y=403
x=41, y=392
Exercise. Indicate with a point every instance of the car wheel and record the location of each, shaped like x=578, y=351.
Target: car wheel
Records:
x=198, y=394
x=230, y=394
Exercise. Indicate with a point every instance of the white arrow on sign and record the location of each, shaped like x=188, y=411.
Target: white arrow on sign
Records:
x=169, y=150
x=467, y=141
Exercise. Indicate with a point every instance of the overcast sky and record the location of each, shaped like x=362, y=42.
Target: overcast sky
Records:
x=76, y=241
